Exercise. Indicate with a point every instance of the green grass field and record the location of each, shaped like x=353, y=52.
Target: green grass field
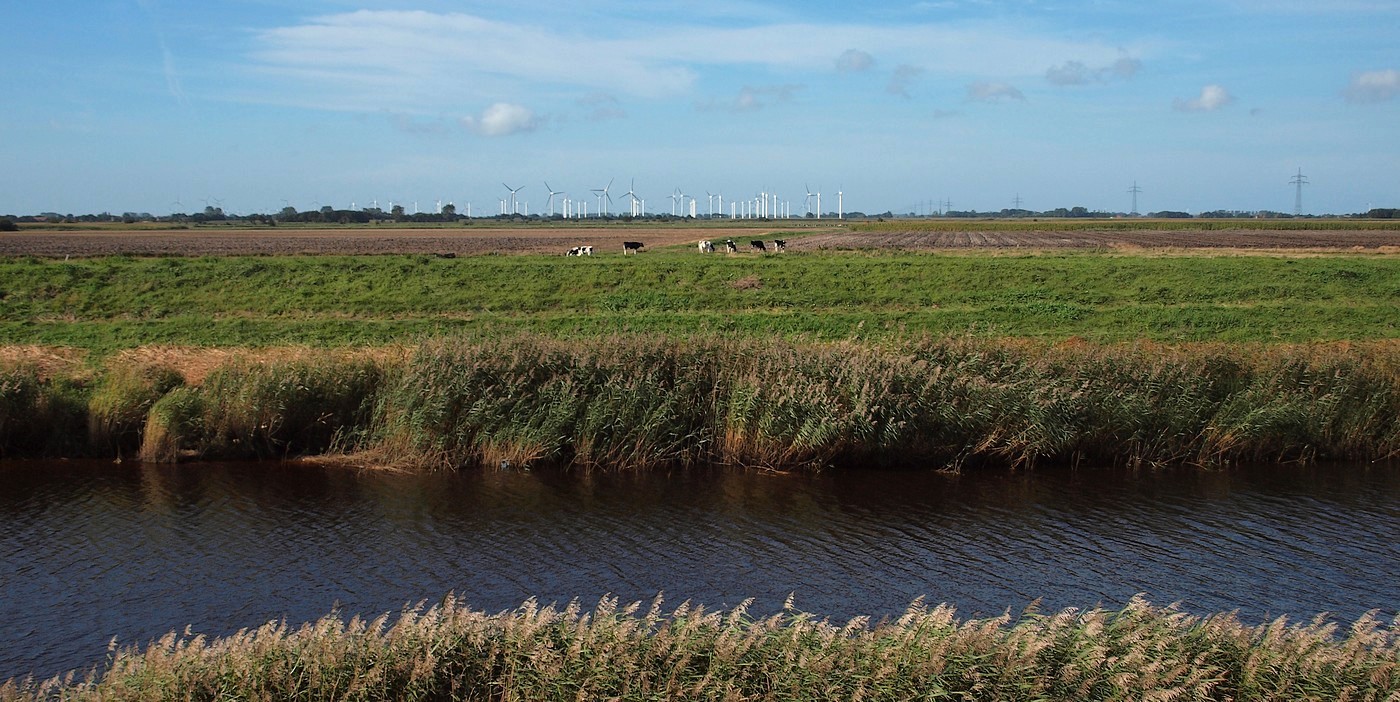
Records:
x=118, y=302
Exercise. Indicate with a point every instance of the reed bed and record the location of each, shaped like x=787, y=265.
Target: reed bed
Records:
x=449, y=651
x=39, y=414
x=635, y=403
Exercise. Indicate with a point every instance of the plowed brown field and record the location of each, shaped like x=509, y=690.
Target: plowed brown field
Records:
x=248, y=242
x=557, y=240
x=1144, y=239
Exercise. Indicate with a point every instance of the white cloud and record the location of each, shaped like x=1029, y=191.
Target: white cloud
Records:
x=903, y=75
x=1212, y=98
x=993, y=92
x=854, y=61
x=1373, y=86
x=502, y=119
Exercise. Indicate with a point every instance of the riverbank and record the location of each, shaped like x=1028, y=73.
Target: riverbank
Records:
x=637, y=403
x=449, y=651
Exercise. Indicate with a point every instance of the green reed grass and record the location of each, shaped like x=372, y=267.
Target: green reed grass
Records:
x=636, y=403
x=121, y=402
x=627, y=402
x=273, y=410
x=449, y=651
x=41, y=416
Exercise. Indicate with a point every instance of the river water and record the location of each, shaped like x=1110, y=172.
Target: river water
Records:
x=90, y=551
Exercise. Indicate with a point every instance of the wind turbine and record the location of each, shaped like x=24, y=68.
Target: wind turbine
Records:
x=675, y=196
x=513, y=209
x=810, y=195
x=603, y=193
x=840, y=205
x=552, y=193
x=632, y=194
x=711, y=197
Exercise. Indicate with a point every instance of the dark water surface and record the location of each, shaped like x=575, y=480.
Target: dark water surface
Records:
x=89, y=551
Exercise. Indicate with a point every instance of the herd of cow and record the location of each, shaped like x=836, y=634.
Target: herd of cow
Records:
x=632, y=247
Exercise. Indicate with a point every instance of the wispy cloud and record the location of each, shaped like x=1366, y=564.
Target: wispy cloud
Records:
x=502, y=119
x=993, y=92
x=1212, y=98
x=602, y=106
x=753, y=98
x=376, y=59
x=1079, y=73
x=854, y=61
x=1373, y=86
x=904, y=75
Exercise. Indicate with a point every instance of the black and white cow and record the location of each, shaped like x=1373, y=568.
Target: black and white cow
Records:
x=707, y=247
x=631, y=247
x=780, y=244
x=730, y=246
x=757, y=245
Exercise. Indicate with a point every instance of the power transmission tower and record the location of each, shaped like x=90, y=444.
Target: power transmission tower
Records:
x=1299, y=180
x=1016, y=201
x=1134, y=190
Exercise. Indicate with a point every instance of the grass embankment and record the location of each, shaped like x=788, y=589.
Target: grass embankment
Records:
x=633, y=403
x=113, y=303
x=451, y=652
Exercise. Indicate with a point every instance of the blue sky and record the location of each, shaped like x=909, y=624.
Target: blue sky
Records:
x=137, y=105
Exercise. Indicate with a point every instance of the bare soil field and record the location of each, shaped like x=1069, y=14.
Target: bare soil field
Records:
x=1387, y=241
x=476, y=241
x=472, y=241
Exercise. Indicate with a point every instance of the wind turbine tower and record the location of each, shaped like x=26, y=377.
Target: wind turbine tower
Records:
x=1298, y=180
x=552, y=193
x=603, y=193
x=514, y=208
x=840, y=205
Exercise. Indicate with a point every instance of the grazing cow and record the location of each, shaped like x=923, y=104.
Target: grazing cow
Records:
x=574, y=252
x=730, y=246
x=707, y=247
x=757, y=245
x=780, y=244
x=631, y=247
x=588, y=251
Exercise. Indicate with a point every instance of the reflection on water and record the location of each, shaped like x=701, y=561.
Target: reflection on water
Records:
x=89, y=551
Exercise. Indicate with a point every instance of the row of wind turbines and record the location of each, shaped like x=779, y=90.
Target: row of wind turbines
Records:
x=762, y=205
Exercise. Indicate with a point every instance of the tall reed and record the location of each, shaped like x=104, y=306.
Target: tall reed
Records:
x=634, y=403
x=121, y=402
x=288, y=408
x=449, y=651
x=631, y=402
x=41, y=416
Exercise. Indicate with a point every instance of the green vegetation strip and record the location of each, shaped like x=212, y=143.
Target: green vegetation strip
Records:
x=449, y=651
x=120, y=302
x=635, y=403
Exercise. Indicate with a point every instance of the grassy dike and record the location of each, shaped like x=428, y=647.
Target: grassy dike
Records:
x=113, y=303
x=450, y=652
x=635, y=403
